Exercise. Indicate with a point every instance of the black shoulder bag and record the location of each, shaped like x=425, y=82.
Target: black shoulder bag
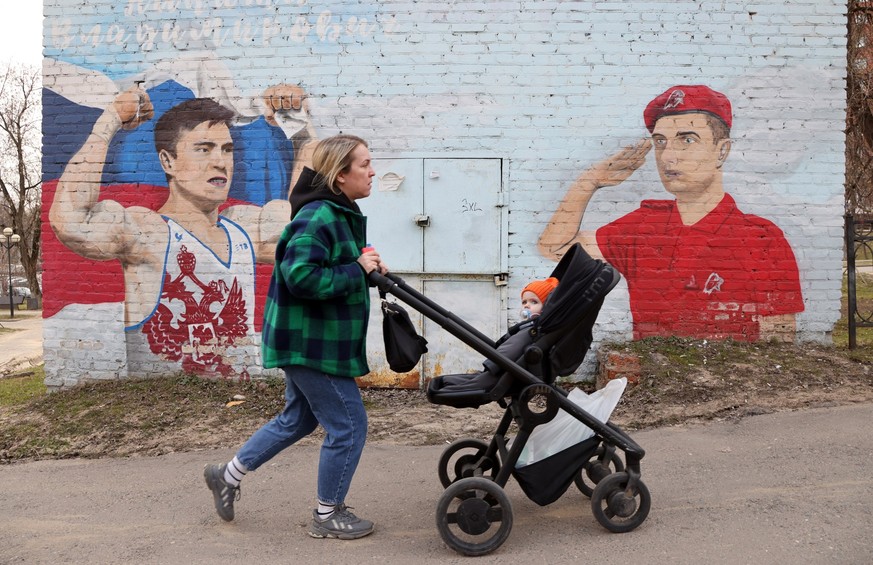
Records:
x=403, y=345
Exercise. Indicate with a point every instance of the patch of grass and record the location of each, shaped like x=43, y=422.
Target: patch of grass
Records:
x=673, y=349
x=682, y=354
x=4, y=314
x=97, y=405
x=19, y=389
x=130, y=415
x=26, y=440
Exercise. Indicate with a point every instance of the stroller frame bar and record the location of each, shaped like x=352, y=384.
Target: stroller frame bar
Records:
x=392, y=284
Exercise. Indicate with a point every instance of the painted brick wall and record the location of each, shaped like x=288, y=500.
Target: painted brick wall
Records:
x=551, y=87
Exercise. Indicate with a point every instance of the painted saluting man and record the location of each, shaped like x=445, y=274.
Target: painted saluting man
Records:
x=696, y=266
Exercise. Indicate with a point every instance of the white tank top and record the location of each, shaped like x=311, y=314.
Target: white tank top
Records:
x=205, y=306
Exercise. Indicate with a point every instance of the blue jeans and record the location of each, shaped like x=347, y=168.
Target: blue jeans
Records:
x=312, y=398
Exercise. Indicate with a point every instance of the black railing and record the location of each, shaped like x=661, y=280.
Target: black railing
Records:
x=859, y=262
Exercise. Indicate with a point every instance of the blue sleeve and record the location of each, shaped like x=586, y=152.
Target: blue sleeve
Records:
x=263, y=156
x=262, y=164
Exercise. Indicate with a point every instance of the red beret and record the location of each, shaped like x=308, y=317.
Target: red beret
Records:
x=687, y=99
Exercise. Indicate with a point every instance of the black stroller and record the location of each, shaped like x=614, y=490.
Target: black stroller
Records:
x=474, y=515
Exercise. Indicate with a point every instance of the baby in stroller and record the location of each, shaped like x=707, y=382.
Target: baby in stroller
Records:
x=551, y=344
x=533, y=298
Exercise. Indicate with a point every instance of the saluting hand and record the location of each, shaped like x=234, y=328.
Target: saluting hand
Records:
x=618, y=167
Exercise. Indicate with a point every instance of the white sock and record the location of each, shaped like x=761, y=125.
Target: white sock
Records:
x=324, y=510
x=234, y=472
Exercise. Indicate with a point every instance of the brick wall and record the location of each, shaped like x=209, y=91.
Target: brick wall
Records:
x=551, y=87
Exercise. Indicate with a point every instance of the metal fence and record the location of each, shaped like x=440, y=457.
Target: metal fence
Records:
x=859, y=263
x=859, y=164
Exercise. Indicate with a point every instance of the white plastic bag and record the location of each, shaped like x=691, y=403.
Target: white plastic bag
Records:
x=564, y=430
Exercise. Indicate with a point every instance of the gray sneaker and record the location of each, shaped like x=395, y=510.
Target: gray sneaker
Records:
x=342, y=524
x=223, y=493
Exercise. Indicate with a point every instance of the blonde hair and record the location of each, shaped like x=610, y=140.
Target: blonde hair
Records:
x=333, y=156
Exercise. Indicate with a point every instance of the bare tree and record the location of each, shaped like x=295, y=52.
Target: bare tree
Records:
x=20, y=161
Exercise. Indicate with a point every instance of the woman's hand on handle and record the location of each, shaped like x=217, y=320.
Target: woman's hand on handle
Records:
x=370, y=261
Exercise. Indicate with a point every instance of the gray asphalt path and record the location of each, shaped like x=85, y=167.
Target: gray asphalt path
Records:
x=789, y=488
x=22, y=348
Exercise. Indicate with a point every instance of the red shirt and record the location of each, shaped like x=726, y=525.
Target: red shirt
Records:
x=713, y=279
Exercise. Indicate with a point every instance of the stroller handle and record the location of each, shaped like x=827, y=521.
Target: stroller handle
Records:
x=383, y=282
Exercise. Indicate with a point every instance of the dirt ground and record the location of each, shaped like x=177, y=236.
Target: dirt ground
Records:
x=737, y=486
x=682, y=381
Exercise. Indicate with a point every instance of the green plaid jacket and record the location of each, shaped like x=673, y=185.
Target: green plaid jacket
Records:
x=318, y=303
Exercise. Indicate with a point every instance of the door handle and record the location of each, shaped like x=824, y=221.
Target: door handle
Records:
x=422, y=220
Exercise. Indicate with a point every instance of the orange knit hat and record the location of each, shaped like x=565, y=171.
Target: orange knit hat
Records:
x=541, y=288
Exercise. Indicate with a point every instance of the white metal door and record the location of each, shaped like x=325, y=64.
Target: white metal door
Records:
x=439, y=224
x=476, y=301
x=463, y=199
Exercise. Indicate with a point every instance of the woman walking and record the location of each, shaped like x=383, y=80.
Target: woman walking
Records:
x=315, y=329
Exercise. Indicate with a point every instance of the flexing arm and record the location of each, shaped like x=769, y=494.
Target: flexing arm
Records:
x=562, y=231
x=93, y=229
x=264, y=225
x=285, y=106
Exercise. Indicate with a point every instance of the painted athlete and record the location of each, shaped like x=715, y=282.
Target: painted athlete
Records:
x=188, y=270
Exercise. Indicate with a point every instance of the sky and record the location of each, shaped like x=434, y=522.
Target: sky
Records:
x=21, y=31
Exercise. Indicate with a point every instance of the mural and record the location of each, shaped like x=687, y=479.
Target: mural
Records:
x=158, y=225
x=695, y=266
x=186, y=221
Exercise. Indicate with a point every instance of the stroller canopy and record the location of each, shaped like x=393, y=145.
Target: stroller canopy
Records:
x=564, y=327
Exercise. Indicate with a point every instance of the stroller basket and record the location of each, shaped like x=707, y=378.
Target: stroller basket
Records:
x=547, y=480
x=474, y=515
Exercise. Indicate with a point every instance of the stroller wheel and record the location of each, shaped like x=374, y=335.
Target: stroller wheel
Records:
x=474, y=516
x=466, y=458
x=599, y=466
x=619, y=507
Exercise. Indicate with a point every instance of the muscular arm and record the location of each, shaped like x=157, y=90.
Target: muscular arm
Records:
x=285, y=106
x=303, y=149
x=94, y=229
x=264, y=225
x=562, y=231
